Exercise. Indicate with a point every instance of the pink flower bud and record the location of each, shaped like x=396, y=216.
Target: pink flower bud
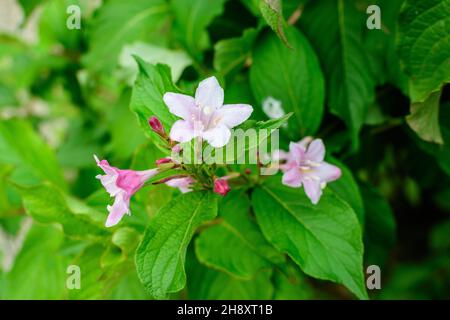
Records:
x=221, y=186
x=163, y=160
x=156, y=125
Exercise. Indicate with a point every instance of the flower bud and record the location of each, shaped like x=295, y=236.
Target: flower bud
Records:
x=163, y=160
x=221, y=186
x=156, y=126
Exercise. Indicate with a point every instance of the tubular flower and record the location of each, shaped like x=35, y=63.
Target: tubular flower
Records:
x=305, y=166
x=205, y=116
x=221, y=186
x=121, y=184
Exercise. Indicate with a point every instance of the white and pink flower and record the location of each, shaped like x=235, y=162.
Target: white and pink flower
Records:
x=305, y=166
x=121, y=184
x=205, y=116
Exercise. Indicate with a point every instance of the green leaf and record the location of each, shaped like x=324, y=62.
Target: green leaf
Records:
x=22, y=147
x=236, y=245
x=209, y=284
x=292, y=286
x=347, y=188
x=161, y=255
x=380, y=228
x=423, y=46
x=292, y=76
x=47, y=204
x=440, y=152
x=191, y=21
x=177, y=60
x=119, y=23
x=344, y=57
x=147, y=98
x=271, y=10
x=230, y=55
x=324, y=239
x=38, y=273
x=424, y=118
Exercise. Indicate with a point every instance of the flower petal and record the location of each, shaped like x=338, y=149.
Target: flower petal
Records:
x=327, y=172
x=183, y=131
x=292, y=178
x=117, y=210
x=316, y=151
x=181, y=105
x=296, y=153
x=232, y=115
x=109, y=183
x=218, y=136
x=183, y=184
x=209, y=93
x=312, y=190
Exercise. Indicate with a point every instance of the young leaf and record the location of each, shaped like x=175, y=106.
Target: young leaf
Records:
x=236, y=245
x=324, y=240
x=272, y=12
x=161, y=255
x=292, y=76
x=346, y=63
x=147, y=97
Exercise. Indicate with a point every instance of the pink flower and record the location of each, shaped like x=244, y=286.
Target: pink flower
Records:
x=163, y=160
x=221, y=186
x=305, y=166
x=205, y=116
x=121, y=184
x=184, y=184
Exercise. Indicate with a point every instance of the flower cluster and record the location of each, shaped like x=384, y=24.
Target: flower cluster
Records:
x=205, y=117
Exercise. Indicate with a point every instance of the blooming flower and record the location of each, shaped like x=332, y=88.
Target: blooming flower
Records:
x=205, y=116
x=184, y=184
x=121, y=184
x=221, y=186
x=305, y=166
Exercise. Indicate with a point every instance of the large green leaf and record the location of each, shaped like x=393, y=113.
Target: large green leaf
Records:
x=292, y=76
x=324, y=239
x=22, y=147
x=334, y=28
x=236, y=245
x=191, y=19
x=424, y=45
x=47, y=204
x=161, y=255
x=122, y=22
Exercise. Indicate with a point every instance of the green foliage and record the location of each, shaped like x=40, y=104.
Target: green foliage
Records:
x=161, y=255
x=292, y=76
x=378, y=98
x=324, y=240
